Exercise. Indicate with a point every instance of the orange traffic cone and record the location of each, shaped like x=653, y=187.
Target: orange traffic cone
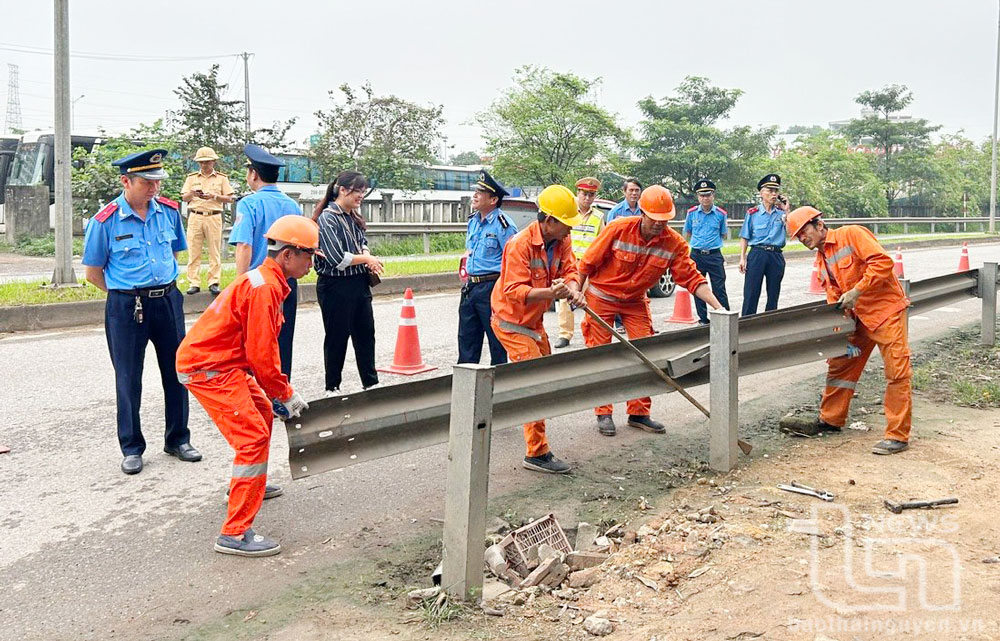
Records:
x=897, y=263
x=815, y=287
x=963, y=260
x=682, y=308
x=407, y=360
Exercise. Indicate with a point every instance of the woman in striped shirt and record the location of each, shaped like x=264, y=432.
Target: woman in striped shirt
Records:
x=343, y=290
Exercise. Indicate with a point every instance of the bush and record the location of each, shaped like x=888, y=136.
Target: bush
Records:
x=414, y=246
x=44, y=246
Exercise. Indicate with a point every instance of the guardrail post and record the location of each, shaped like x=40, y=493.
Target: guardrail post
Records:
x=724, y=387
x=427, y=243
x=988, y=292
x=468, y=479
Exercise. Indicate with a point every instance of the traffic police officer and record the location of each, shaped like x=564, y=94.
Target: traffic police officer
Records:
x=705, y=229
x=130, y=251
x=763, y=233
x=489, y=230
x=254, y=216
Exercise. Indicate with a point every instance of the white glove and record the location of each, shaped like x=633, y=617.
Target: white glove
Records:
x=295, y=404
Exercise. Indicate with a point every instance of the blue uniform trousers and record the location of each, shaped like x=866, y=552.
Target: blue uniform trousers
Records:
x=163, y=325
x=287, y=332
x=762, y=264
x=474, y=314
x=712, y=265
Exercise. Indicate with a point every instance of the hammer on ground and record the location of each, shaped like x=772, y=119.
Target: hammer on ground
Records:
x=897, y=508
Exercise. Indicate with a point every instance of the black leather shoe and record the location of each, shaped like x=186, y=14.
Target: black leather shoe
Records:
x=193, y=289
x=184, y=452
x=646, y=424
x=132, y=464
x=213, y=289
x=606, y=425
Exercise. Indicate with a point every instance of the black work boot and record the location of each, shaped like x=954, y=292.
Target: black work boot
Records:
x=605, y=424
x=646, y=424
x=890, y=446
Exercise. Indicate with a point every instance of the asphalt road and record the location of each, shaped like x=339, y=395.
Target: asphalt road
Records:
x=88, y=553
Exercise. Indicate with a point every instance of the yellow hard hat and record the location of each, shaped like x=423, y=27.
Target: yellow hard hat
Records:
x=798, y=219
x=560, y=203
x=295, y=230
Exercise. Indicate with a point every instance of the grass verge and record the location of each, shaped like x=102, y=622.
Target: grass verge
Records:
x=958, y=370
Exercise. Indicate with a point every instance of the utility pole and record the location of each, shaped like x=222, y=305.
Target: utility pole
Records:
x=63, y=274
x=246, y=94
x=13, y=122
x=996, y=115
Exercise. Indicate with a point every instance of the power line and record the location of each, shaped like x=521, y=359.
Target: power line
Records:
x=90, y=55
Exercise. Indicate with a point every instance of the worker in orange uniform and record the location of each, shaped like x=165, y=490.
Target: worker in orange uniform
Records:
x=626, y=259
x=537, y=267
x=229, y=361
x=857, y=274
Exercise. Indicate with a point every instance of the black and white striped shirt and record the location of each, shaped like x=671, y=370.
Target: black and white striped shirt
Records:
x=340, y=239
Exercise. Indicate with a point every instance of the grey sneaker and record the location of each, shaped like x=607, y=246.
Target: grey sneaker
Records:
x=889, y=446
x=249, y=544
x=270, y=491
x=646, y=424
x=545, y=463
x=561, y=343
x=606, y=424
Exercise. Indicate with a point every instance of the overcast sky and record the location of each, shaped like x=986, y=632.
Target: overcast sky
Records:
x=799, y=62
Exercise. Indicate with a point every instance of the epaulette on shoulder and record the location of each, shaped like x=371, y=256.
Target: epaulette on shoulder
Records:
x=753, y=210
x=724, y=212
x=163, y=200
x=105, y=213
x=503, y=221
x=691, y=209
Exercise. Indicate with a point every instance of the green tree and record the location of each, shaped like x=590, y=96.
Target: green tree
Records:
x=466, y=158
x=383, y=137
x=822, y=170
x=206, y=118
x=547, y=129
x=902, y=144
x=96, y=182
x=680, y=141
x=957, y=180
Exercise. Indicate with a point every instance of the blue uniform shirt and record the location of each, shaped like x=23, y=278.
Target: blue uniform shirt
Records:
x=485, y=242
x=134, y=252
x=707, y=229
x=255, y=214
x=621, y=209
x=764, y=228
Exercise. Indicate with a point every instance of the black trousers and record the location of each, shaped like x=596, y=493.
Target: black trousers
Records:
x=162, y=325
x=346, y=305
x=474, y=321
x=762, y=264
x=287, y=333
x=714, y=266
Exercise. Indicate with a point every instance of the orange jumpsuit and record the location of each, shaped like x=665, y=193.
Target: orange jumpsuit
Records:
x=852, y=258
x=518, y=324
x=622, y=267
x=225, y=360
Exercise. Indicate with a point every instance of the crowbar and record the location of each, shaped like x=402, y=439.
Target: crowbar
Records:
x=746, y=447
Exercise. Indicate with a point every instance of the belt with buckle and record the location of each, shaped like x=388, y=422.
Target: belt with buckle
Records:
x=485, y=278
x=768, y=248
x=149, y=292
x=204, y=213
x=705, y=252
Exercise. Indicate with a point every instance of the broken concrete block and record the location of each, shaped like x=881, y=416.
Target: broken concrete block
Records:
x=598, y=626
x=601, y=543
x=585, y=535
x=557, y=574
x=493, y=589
x=546, y=551
x=416, y=597
x=538, y=573
x=584, y=560
x=584, y=578
x=629, y=537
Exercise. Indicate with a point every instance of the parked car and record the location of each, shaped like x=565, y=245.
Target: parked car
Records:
x=522, y=211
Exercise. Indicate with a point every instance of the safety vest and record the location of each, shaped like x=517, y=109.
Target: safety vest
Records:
x=584, y=234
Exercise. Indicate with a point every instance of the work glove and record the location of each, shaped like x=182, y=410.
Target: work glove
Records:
x=849, y=298
x=295, y=404
x=853, y=351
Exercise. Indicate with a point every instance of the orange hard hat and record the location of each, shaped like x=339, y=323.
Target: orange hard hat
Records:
x=657, y=203
x=798, y=219
x=295, y=230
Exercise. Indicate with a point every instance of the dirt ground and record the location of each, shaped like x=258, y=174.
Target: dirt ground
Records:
x=730, y=556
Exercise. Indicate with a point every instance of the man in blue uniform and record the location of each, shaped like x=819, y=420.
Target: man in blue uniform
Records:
x=254, y=215
x=763, y=233
x=705, y=229
x=630, y=206
x=489, y=230
x=130, y=251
